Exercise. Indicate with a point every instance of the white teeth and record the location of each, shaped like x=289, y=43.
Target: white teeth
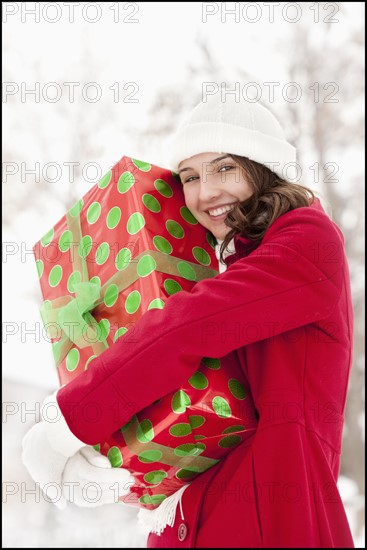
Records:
x=219, y=211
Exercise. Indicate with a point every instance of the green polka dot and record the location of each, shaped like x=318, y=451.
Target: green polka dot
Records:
x=237, y=428
x=115, y=457
x=180, y=401
x=143, y=166
x=186, y=271
x=123, y=259
x=201, y=447
x=102, y=253
x=163, y=188
x=46, y=239
x=187, y=215
x=133, y=301
x=40, y=266
x=156, y=304
x=104, y=326
x=181, y=429
x=199, y=381
x=196, y=420
x=72, y=359
x=135, y=223
x=196, y=437
x=105, y=180
x=145, y=432
x=85, y=246
x=171, y=286
x=111, y=295
x=76, y=208
x=201, y=255
x=185, y=473
x=155, y=500
x=120, y=332
x=97, y=447
x=55, y=275
x=126, y=181
x=187, y=449
x=229, y=441
x=113, y=217
x=65, y=240
x=93, y=213
x=211, y=363
x=221, y=407
x=212, y=241
x=150, y=456
x=88, y=361
x=162, y=244
x=151, y=203
x=146, y=265
x=155, y=477
x=175, y=229
x=96, y=280
x=236, y=388
x=75, y=277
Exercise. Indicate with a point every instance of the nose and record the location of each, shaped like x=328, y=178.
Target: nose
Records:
x=208, y=191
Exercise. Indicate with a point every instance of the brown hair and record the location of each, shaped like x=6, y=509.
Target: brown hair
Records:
x=272, y=196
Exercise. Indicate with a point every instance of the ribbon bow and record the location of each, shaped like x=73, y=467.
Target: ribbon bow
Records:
x=73, y=314
x=74, y=318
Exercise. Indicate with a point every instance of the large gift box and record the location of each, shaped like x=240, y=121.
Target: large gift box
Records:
x=181, y=435
x=124, y=248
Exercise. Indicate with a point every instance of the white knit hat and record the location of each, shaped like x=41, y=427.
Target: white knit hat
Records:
x=235, y=127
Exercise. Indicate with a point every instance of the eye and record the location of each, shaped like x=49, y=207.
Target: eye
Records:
x=189, y=179
x=225, y=168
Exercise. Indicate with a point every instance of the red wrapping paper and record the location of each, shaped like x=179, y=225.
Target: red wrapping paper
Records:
x=124, y=248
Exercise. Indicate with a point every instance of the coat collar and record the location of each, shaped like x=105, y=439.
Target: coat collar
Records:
x=244, y=246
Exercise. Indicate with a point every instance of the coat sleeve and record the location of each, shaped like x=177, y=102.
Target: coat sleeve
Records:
x=292, y=279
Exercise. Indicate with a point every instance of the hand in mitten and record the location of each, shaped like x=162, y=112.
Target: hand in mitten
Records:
x=46, y=448
x=89, y=479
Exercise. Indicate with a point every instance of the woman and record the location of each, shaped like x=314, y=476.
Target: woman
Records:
x=282, y=300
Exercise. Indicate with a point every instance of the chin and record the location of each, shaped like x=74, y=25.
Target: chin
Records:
x=217, y=234
x=221, y=234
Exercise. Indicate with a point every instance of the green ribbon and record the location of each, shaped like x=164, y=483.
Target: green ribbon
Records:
x=75, y=318
x=73, y=314
x=199, y=464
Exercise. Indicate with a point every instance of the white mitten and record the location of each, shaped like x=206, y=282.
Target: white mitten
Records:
x=66, y=468
x=89, y=479
x=46, y=448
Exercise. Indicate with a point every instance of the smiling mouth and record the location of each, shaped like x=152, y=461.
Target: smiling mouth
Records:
x=219, y=213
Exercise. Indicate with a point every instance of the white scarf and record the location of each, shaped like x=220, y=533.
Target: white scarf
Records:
x=156, y=520
x=227, y=252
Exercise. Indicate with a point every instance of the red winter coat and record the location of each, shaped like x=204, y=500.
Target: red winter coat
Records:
x=286, y=308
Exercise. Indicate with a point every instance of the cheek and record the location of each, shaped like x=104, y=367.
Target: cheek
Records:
x=189, y=198
x=244, y=191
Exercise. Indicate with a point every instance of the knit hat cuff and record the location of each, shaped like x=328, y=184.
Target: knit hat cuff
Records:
x=217, y=137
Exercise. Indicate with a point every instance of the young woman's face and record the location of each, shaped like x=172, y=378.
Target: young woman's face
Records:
x=212, y=184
